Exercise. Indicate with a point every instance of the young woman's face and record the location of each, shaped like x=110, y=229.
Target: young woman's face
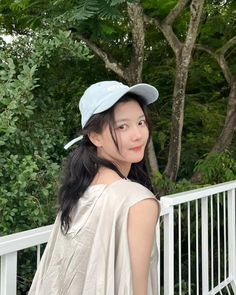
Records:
x=131, y=133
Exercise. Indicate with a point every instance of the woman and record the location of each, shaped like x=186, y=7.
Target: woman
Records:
x=103, y=240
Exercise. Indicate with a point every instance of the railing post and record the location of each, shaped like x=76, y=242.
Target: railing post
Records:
x=205, y=264
x=232, y=237
x=158, y=242
x=169, y=252
x=8, y=274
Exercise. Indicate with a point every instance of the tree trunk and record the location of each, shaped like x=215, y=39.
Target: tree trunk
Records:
x=227, y=133
x=172, y=166
x=226, y=136
x=183, y=59
x=152, y=158
x=135, y=68
x=133, y=73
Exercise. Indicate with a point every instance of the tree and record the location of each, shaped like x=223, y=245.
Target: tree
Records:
x=221, y=56
x=116, y=31
x=183, y=51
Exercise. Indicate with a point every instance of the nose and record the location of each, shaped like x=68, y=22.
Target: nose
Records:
x=136, y=133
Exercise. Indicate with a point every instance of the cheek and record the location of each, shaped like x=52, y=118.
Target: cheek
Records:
x=118, y=138
x=146, y=133
x=121, y=142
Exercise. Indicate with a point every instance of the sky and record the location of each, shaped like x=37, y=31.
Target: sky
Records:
x=7, y=38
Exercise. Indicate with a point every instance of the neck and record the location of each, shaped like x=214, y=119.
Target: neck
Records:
x=106, y=175
x=124, y=169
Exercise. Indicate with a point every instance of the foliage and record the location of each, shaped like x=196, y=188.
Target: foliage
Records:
x=164, y=186
x=217, y=168
x=29, y=161
x=29, y=13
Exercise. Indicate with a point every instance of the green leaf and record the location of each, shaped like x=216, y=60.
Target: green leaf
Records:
x=84, y=10
x=115, y=2
x=10, y=63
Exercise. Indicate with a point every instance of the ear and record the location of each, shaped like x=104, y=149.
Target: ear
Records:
x=95, y=138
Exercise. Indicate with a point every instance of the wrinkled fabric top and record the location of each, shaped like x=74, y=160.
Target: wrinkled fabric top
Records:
x=93, y=258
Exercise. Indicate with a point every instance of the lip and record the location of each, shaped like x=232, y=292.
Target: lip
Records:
x=137, y=148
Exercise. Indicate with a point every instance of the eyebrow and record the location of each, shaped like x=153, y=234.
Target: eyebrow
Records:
x=125, y=120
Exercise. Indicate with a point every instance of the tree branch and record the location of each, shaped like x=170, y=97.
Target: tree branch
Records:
x=226, y=47
x=152, y=21
x=206, y=49
x=109, y=62
x=224, y=67
x=166, y=26
x=196, y=12
x=220, y=58
x=175, y=12
x=167, y=31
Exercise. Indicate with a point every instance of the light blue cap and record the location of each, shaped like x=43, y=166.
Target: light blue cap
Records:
x=101, y=96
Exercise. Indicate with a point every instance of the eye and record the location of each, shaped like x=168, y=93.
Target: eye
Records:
x=142, y=122
x=123, y=127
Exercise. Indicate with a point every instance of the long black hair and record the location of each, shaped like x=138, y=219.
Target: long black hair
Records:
x=83, y=163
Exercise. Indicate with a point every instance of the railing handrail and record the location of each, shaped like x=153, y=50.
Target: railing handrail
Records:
x=188, y=196
x=22, y=240
x=33, y=237
x=29, y=238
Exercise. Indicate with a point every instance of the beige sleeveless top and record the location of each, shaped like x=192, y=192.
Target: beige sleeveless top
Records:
x=93, y=258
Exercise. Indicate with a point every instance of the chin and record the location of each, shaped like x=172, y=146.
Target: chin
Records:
x=136, y=159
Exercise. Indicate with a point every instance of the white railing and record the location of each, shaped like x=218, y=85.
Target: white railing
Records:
x=200, y=241
x=196, y=238
x=9, y=246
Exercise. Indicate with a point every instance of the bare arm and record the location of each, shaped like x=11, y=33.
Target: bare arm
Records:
x=142, y=221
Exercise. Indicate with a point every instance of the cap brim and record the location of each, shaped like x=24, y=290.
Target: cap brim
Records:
x=146, y=91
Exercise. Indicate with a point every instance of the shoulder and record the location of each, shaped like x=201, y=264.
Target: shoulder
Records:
x=144, y=212
x=130, y=192
x=130, y=186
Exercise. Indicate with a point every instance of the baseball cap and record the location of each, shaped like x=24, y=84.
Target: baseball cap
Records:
x=101, y=96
